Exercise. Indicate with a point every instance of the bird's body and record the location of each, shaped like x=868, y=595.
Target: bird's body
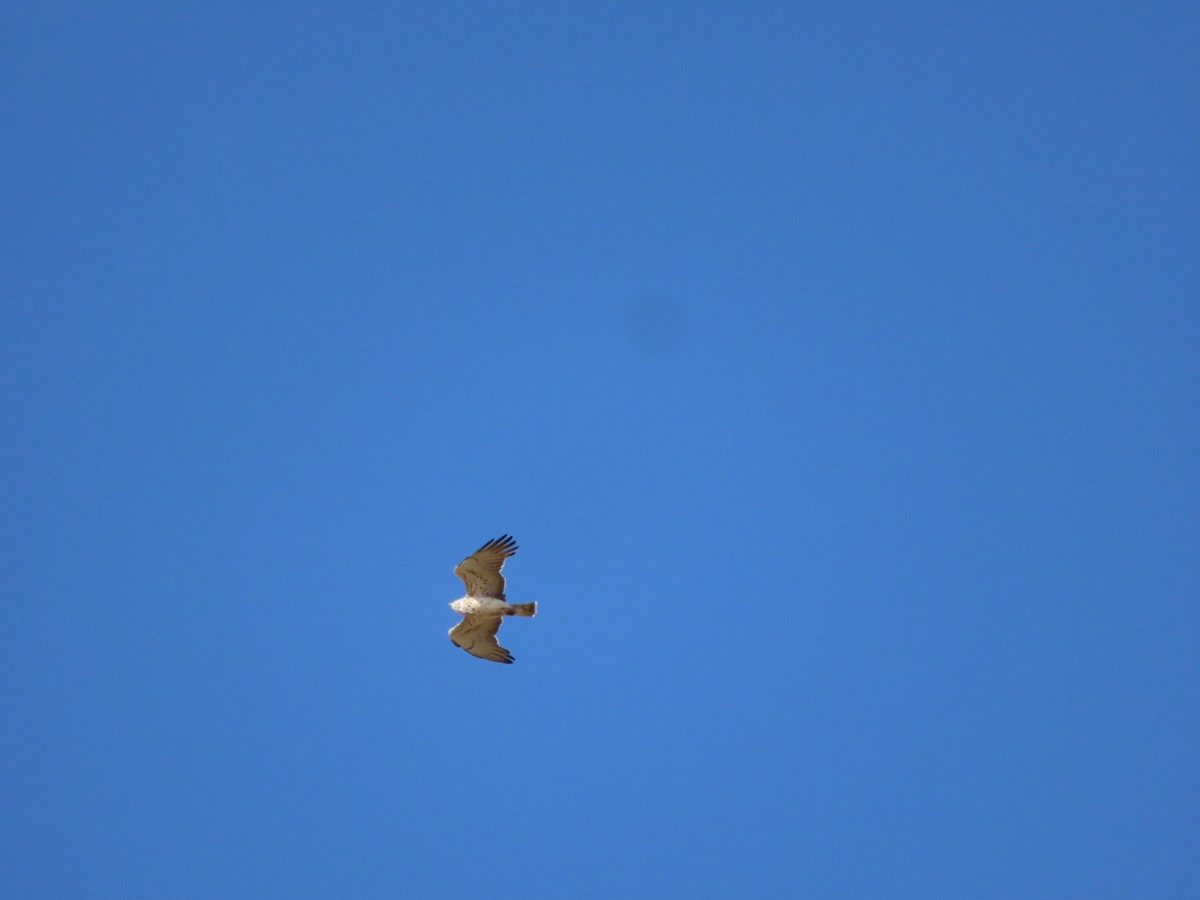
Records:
x=484, y=605
x=469, y=606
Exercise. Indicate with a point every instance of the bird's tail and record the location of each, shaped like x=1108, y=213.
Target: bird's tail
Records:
x=522, y=609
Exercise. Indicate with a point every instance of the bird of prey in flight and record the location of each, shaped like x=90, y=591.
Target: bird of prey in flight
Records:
x=484, y=605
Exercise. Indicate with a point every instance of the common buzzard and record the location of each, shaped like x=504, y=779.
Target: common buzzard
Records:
x=484, y=605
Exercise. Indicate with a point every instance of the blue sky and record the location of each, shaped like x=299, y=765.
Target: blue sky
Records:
x=836, y=367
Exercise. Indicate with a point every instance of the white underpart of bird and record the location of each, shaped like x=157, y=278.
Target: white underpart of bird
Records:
x=485, y=606
x=468, y=605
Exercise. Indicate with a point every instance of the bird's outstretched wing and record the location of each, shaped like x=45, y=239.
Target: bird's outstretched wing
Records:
x=477, y=635
x=480, y=571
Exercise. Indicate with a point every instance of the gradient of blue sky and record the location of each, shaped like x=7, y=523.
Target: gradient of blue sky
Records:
x=835, y=365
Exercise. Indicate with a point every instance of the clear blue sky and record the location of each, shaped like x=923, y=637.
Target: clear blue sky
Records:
x=837, y=367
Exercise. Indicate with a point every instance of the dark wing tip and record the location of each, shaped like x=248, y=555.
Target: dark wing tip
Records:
x=505, y=543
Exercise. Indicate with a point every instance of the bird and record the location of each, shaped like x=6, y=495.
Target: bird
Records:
x=484, y=604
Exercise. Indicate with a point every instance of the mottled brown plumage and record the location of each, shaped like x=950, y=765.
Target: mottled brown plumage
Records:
x=480, y=571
